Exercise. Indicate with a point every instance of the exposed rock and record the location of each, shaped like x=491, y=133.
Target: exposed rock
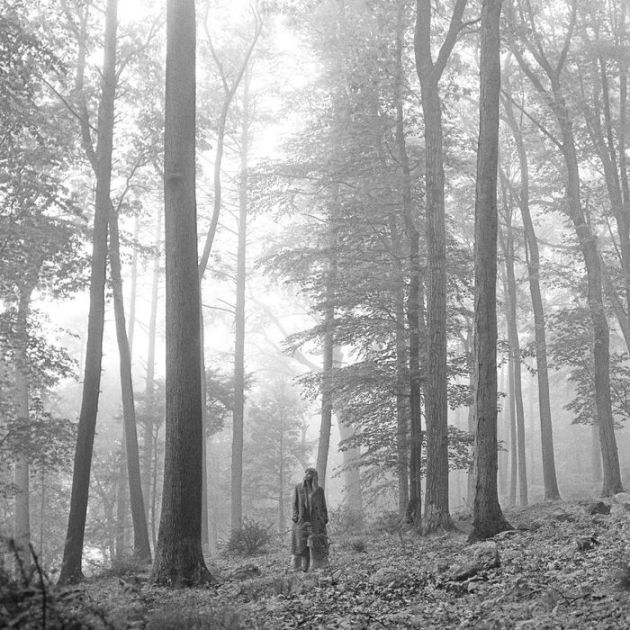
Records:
x=480, y=557
x=386, y=575
x=598, y=507
x=561, y=515
x=246, y=572
x=622, y=498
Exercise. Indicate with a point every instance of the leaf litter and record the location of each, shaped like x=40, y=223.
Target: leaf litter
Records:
x=547, y=578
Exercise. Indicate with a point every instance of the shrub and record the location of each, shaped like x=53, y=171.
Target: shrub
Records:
x=126, y=566
x=388, y=522
x=250, y=540
x=344, y=521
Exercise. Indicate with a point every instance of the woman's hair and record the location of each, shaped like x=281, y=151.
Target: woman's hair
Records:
x=314, y=480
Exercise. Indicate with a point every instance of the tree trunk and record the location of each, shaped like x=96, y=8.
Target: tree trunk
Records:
x=178, y=555
x=588, y=244
x=142, y=549
x=73, y=550
x=22, y=396
x=149, y=388
x=507, y=242
x=353, y=498
x=601, y=335
x=328, y=360
x=550, y=481
x=437, y=514
x=239, y=336
x=122, y=502
x=402, y=371
x=488, y=520
x=513, y=433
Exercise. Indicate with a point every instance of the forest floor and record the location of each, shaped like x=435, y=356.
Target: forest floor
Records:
x=562, y=567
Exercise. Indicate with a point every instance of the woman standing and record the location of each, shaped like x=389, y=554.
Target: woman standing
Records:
x=309, y=540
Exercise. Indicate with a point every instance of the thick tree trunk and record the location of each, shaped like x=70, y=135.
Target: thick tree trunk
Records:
x=73, y=550
x=178, y=555
x=488, y=520
x=141, y=546
x=239, y=324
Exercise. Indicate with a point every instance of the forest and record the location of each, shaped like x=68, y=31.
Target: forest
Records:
x=314, y=314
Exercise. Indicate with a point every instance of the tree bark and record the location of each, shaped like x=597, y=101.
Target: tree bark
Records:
x=328, y=358
x=588, y=244
x=141, y=546
x=178, y=555
x=437, y=514
x=149, y=388
x=550, y=480
x=488, y=520
x=507, y=242
x=239, y=324
x=73, y=551
x=22, y=470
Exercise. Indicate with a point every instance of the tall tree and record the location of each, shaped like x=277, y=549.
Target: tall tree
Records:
x=507, y=245
x=73, y=550
x=178, y=555
x=533, y=273
x=553, y=93
x=436, y=408
x=239, y=321
x=488, y=518
x=142, y=549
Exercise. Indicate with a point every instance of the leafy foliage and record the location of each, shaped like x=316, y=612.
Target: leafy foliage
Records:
x=570, y=348
x=250, y=540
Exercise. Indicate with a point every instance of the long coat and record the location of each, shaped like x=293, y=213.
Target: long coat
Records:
x=309, y=508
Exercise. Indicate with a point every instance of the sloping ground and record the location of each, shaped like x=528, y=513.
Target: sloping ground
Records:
x=560, y=569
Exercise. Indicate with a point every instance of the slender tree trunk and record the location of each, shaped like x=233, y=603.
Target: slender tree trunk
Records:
x=513, y=433
x=149, y=388
x=178, y=555
x=122, y=502
x=488, y=520
x=281, y=481
x=507, y=242
x=22, y=471
x=550, y=481
x=402, y=371
x=353, y=498
x=503, y=436
x=239, y=337
x=142, y=548
x=588, y=244
x=327, y=371
x=437, y=514
x=73, y=550
x=601, y=335
x=328, y=359
x=133, y=288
